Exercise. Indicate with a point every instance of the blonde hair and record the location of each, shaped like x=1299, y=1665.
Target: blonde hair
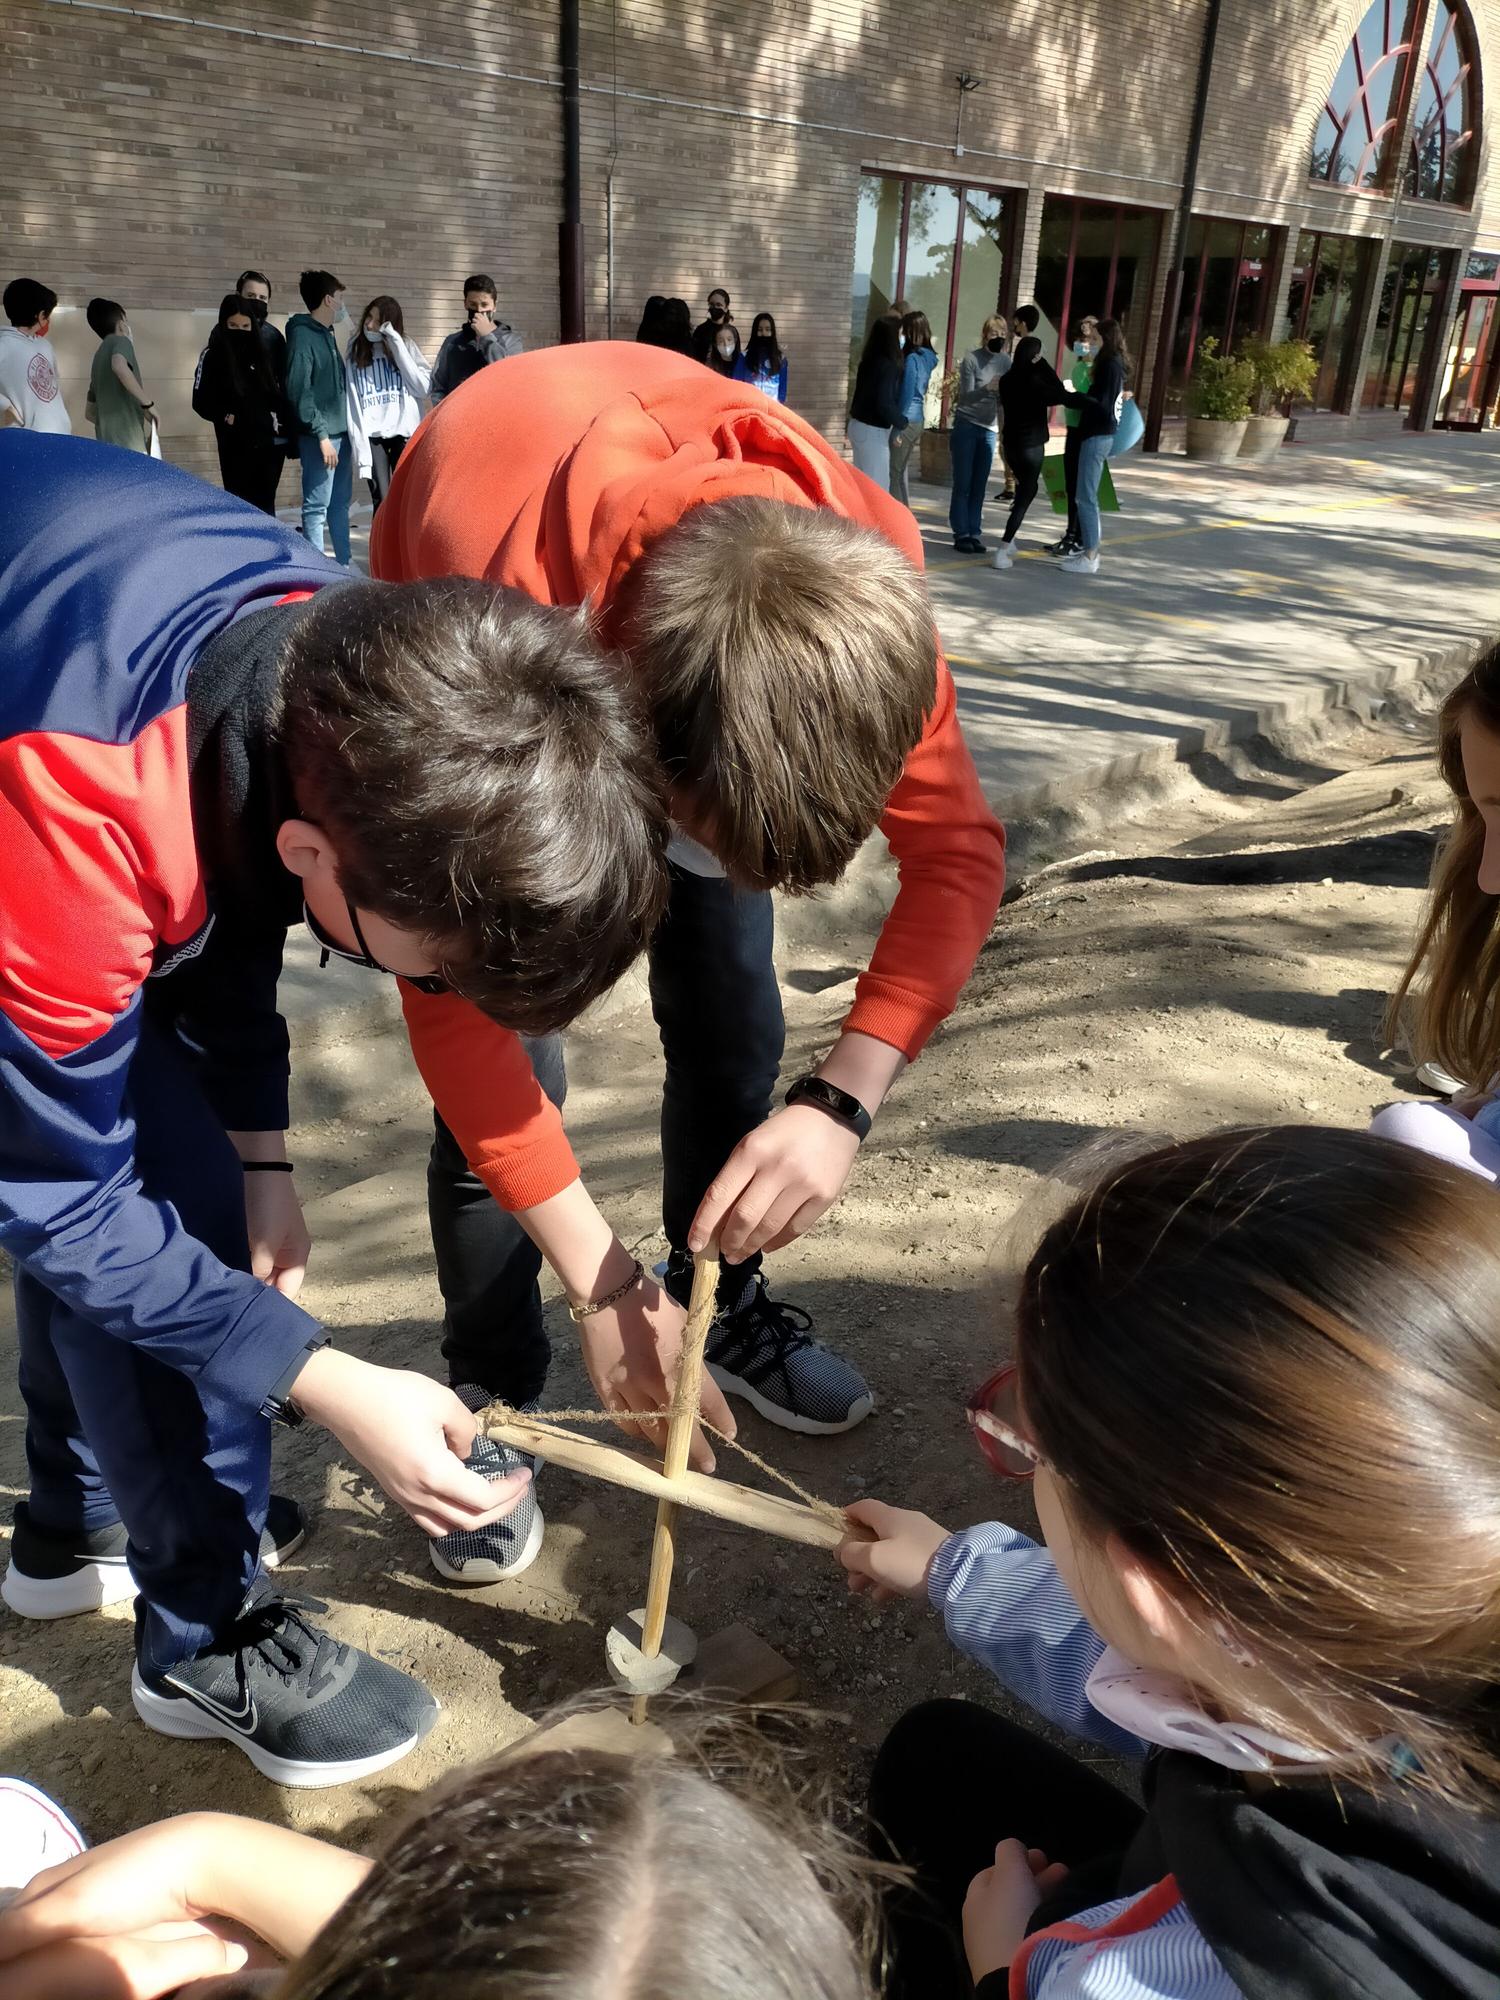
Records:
x=996, y=323
x=789, y=662
x=1456, y=1016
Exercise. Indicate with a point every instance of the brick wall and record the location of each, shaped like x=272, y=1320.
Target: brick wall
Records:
x=152, y=159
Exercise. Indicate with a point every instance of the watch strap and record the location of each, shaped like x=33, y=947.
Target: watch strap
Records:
x=828, y=1097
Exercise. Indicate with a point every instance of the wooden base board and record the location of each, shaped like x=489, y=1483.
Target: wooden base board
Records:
x=738, y=1664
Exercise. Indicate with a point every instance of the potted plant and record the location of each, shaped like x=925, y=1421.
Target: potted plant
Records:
x=1218, y=404
x=1284, y=371
x=935, y=457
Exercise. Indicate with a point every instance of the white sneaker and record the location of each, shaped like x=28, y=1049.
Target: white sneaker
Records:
x=1081, y=564
x=34, y=1834
x=1004, y=557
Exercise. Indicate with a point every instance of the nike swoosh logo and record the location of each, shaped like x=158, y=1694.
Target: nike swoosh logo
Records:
x=245, y=1719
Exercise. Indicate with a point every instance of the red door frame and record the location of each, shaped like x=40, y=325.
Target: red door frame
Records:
x=1486, y=355
x=1009, y=197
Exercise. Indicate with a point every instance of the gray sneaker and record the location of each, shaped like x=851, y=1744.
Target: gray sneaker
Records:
x=763, y=1351
x=474, y=1556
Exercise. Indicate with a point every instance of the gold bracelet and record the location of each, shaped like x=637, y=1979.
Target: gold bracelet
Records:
x=586, y=1311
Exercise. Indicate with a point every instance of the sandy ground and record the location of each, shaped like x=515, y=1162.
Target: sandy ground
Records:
x=1229, y=964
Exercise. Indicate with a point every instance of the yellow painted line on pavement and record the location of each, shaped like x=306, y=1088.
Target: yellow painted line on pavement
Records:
x=992, y=667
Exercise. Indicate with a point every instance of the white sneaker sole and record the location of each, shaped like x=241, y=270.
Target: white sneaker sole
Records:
x=476, y=1570
x=94, y=1586
x=179, y=1717
x=790, y=1420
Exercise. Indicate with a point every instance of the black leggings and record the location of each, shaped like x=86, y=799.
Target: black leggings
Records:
x=1027, y=465
x=951, y=1781
x=384, y=452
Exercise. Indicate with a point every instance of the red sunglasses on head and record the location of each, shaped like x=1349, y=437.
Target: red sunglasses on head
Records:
x=994, y=1413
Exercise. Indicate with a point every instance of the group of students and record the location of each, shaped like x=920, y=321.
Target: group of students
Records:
x=1004, y=393
x=715, y=341
x=341, y=401
x=1254, y=1379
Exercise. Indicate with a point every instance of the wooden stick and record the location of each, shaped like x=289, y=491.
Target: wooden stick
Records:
x=744, y=1506
x=684, y=1415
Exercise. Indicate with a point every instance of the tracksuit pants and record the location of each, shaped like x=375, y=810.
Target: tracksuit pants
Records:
x=114, y=1435
x=717, y=1004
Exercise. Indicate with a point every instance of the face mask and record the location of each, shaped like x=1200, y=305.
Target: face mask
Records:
x=1082, y=349
x=726, y=353
x=902, y=338
x=718, y=312
x=256, y=309
x=340, y=314
x=996, y=346
x=239, y=332
x=374, y=336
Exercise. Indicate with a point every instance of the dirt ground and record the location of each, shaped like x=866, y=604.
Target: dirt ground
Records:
x=1226, y=960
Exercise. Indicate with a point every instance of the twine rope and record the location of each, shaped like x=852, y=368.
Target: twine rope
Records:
x=501, y=1412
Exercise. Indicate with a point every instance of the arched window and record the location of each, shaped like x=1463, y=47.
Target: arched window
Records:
x=1441, y=167
x=1352, y=145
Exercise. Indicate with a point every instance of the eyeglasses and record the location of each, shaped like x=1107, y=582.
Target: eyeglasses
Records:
x=428, y=982
x=994, y=1413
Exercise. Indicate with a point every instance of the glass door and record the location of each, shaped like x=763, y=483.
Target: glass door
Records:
x=1470, y=360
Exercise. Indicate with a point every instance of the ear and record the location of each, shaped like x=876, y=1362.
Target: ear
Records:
x=305, y=850
x=1146, y=1592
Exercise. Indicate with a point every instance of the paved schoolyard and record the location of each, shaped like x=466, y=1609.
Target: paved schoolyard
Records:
x=1227, y=596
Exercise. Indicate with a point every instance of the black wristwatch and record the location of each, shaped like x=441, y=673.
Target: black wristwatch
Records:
x=828, y=1097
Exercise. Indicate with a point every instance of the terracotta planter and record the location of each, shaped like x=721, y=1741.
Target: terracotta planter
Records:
x=1264, y=437
x=935, y=458
x=1218, y=442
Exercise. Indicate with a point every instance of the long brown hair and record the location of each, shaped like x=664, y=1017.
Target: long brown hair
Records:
x=1269, y=1362
x=591, y=1871
x=917, y=330
x=1112, y=341
x=361, y=352
x=1456, y=1019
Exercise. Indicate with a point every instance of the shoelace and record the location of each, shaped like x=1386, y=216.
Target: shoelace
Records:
x=271, y=1628
x=789, y=1327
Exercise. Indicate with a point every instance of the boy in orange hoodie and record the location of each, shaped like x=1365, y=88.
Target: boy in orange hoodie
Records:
x=767, y=600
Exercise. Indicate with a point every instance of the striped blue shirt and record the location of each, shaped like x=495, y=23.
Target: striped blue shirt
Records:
x=1004, y=1604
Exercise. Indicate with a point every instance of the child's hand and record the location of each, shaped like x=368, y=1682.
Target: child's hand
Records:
x=896, y=1562
x=1002, y=1901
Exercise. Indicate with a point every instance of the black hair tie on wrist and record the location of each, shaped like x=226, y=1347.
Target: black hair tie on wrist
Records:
x=266, y=1166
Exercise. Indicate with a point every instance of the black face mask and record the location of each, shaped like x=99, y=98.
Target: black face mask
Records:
x=718, y=312
x=995, y=346
x=256, y=310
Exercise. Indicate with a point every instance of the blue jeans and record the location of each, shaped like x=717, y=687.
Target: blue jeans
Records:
x=718, y=1010
x=325, y=494
x=112, y=1434
x=1092, y=452
x=972, y=448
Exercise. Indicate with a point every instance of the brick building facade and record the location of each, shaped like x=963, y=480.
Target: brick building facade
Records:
x=814, y=159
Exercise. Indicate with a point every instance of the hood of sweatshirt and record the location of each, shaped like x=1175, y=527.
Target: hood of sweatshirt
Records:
x=555, y=472
x=1312, y=1889
x=316, y=325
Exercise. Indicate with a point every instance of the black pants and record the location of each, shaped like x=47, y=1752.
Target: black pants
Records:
x=950, y=1782
x=718, y=1010
x=1027, y=466
x=384, y=453
x=1072, y=444
x=250, y=469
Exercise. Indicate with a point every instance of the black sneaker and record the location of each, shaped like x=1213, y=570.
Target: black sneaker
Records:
x=1066, y=547
x=764, y=1352
x=472, y=1556
x=305, y=1709
x=57, y=1576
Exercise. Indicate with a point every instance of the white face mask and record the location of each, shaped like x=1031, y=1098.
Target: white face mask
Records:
x=374, y=335
x=340, y=314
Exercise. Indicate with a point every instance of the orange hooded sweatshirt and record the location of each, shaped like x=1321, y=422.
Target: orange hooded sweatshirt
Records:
x=553, y=474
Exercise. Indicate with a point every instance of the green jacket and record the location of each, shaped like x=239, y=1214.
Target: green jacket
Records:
x=315, y=382
x=1078, y=381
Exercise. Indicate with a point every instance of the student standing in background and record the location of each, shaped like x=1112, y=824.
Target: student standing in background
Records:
x=724, y=351
x=917, y=368
x=1098, y=410
x=118, y=406
x=30, y=388
x=318, y=392
x=875, y=410
x=388, y=380
x=976, y=424
x=1027, y=392
x=764, y=360
x=237, y=391
x=1085, y=344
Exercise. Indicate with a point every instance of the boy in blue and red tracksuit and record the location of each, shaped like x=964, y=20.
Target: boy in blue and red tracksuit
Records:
x=177, y=690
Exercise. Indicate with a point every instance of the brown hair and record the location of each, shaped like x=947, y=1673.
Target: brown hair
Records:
x=485, y=774
x=789, y=661
x=1269, y=1362
x=360, y=350
x=604, y=1876
x=1457, y=1017
x=1112, y=341
x=918, y=332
